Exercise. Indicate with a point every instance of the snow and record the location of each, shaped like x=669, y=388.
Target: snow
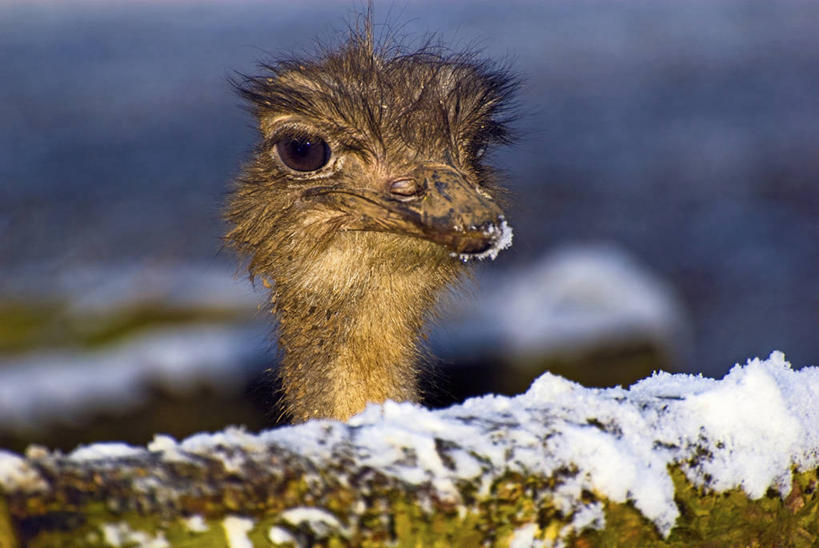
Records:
x=108, y=450
x=765, y=416
x=280, y=535
x=524, y=537
x=121, y=535
x=221, y=445
x=41, y=387
x=17, y=474
x=572, y=298
x=319, y=521
x=236, y=530
x=196, y=524
x=591, y=289
x=501, y=242
x=620, y=441
x=749, y=430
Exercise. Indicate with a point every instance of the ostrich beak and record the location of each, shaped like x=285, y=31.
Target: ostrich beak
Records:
x=436, y=203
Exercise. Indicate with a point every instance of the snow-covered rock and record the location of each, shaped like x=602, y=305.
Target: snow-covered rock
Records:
x=750, y=430
x=574, y=298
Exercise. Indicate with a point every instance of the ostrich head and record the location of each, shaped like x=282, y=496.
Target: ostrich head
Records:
x=366, y=194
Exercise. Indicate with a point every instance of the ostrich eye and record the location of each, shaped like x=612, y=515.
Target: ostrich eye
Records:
x=303, y=153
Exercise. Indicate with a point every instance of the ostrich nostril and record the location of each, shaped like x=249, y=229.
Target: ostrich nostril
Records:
x=406, y=187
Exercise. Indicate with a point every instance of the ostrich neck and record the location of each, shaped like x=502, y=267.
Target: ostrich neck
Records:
x=349, y=331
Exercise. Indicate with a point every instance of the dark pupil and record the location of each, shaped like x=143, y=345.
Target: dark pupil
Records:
x=303, y=154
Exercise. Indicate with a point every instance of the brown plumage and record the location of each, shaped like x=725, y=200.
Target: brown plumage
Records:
x=365, y=196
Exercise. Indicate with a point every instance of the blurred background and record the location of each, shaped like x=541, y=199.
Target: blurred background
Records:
x=665, y=195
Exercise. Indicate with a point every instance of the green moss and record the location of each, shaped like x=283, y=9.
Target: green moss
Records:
x=113, y=328
x=90, y=534
x=29, y=325
x=24, y=325
x=8, y=537
x=395, y=517
x=719, y=519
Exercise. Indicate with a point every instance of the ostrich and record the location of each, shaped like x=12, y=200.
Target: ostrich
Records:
x=366, y=194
